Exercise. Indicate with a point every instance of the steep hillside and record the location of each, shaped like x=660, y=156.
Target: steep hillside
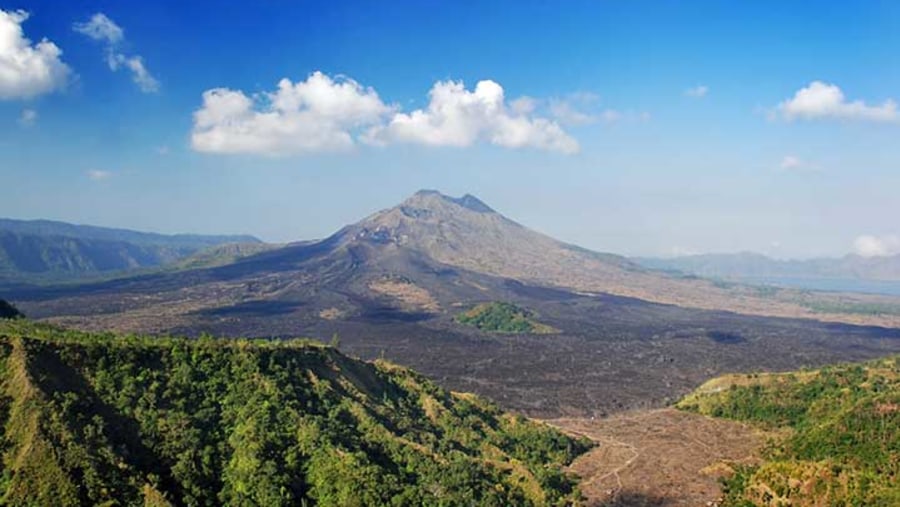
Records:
x=101, y=419
x=46, y=251
x=838, y=433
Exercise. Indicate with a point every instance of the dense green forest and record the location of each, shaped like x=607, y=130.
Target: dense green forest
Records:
x=99, y=419
x=835, y=434
x=500, y=317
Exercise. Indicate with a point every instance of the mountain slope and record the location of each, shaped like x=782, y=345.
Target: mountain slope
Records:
x=91, y=419
x=467, y=234
x=41, y=250
x=838, y=427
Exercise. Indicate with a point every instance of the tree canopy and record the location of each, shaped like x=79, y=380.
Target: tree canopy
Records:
x=101, y=419
x=837, y=433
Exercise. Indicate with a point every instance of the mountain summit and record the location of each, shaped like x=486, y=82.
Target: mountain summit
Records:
x=466, y=233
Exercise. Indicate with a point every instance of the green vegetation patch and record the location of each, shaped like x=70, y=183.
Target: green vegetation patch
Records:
x=499, y=317
x=100, y=419
x=840, y=428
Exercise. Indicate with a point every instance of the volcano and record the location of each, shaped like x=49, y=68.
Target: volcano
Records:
x=397, y=282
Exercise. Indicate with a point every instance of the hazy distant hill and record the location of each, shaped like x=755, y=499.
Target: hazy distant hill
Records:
x=106, y=420
x=747, y=265
x=41, y=250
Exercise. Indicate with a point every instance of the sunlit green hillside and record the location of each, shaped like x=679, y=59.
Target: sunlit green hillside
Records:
x=837, y=433
x=110, y=420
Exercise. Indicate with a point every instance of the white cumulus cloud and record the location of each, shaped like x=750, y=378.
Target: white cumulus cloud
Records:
x=697, y=92
x=877, y=246
x=27, y=70
x=820, y=100
x=459, y=117
x=103, y=29
x=328, y=114
x=319, y=114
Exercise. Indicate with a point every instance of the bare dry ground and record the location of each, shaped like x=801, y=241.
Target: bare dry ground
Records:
x=659, y=457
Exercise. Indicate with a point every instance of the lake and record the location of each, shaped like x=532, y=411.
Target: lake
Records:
x=829, y=284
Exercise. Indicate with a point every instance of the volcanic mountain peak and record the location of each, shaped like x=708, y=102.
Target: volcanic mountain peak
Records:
x=429, y=219
x=434, y=199
x=434, y=202
x=464, y=232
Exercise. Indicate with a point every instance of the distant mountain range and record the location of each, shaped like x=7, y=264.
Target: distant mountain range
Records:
x=48, y=251
x=747, y=265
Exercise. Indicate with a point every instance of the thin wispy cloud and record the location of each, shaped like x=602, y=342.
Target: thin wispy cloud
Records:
x=569, y=114
x=139, y=73
x=790, y=162
x=103, y=29
x=823, y=101
x=580, y=108
x=28, y=117
x=697, y=92
x=28, y=69
x=793, y=163
x=98, y=174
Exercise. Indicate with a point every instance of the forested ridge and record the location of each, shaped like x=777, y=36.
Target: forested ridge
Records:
x=835, y=434
x=100, y=419
x=47, y=252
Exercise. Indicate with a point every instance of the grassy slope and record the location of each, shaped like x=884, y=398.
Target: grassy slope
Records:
x=839, y=427
x=499, y=317
x=101, y=419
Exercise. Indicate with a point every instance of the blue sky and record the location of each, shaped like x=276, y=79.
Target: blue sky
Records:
x=646, y=128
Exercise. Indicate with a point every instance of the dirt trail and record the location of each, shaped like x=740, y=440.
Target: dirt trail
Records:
x=657, y=457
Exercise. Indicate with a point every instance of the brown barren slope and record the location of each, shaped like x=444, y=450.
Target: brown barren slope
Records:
x=658, y=457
